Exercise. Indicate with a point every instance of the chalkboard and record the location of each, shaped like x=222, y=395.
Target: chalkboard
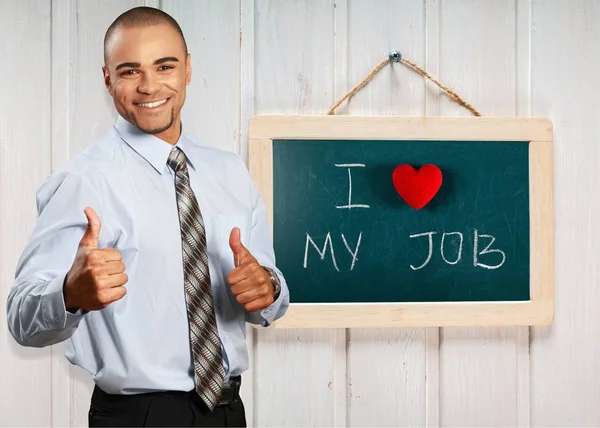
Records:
x=363, y=243
x=344, y=236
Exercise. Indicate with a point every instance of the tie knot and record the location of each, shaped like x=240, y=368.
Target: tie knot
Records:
x=176, y=159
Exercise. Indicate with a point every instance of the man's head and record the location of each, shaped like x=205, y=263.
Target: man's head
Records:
x=146, y=70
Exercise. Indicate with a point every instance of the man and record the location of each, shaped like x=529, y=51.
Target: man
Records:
x=150, y=251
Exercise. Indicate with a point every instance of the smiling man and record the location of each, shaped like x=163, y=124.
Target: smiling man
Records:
x=151, y=251
x=148, y=94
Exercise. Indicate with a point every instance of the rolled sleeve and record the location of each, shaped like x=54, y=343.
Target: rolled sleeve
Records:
x=35, y=308
x=54, y=312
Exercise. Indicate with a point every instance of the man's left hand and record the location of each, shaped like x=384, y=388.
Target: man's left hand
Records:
x=250, y=282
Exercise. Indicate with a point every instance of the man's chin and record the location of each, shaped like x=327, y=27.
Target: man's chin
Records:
x=154, y=127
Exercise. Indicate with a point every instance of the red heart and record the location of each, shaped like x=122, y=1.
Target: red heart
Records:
x=417, y=188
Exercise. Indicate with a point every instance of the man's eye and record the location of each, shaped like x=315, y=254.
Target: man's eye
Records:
x=165, y=67
x=129, y=72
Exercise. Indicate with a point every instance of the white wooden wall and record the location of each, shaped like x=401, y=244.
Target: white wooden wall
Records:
x=507, y=57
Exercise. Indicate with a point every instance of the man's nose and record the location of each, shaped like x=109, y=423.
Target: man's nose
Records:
x=148, y=84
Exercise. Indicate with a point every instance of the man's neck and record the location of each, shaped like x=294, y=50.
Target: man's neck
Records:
x=171, y=135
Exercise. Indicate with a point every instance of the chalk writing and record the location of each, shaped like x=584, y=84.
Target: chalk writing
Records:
x=488, y=254
x=430, y=234
x=486, y=250
x=329, y=243
x=476, y=253
x=355, y=253
x=458, y=257
x=350, y=204
x=321, y=252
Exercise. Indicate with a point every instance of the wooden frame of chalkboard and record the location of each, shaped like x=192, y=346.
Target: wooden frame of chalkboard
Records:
x=534, y=133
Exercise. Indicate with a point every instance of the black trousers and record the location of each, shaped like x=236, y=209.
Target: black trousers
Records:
x=161, y=409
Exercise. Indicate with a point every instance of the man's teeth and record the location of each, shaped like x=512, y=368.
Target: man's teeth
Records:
x=154, y=104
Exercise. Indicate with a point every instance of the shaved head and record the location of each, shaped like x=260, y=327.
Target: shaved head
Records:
x=146, y=70
x=142, y=16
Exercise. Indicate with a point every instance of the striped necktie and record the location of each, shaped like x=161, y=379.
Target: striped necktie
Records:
x=204, y=339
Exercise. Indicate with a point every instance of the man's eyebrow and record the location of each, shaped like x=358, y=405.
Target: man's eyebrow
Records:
x=138, y=65
x=128, y=64
x=166, y=59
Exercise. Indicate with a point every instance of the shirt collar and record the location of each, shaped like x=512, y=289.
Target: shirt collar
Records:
x=154, y=150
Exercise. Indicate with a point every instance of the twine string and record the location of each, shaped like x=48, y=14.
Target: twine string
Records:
x=413, y=66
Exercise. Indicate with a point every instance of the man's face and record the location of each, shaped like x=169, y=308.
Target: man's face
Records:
x=146, y=72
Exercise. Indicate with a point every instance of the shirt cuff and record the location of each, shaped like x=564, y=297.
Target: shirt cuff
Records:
x=269, y=314
x=54, y=312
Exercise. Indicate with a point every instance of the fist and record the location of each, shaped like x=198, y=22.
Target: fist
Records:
x=97, y=276
x=249, y=281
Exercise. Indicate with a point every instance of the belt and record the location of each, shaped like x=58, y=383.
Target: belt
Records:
x=231, y=391
x=230, y=394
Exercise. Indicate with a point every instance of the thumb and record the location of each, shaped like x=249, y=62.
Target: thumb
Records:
x=235, y=243
x=92, y=233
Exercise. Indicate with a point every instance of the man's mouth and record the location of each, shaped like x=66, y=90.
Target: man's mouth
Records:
x=152, y=104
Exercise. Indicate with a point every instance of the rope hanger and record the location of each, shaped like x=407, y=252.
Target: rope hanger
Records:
x=395, y=56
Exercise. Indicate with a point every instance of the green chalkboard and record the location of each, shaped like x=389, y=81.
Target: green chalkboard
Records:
x=481, y=213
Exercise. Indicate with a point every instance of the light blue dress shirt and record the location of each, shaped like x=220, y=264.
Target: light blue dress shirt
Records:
x=140, y=343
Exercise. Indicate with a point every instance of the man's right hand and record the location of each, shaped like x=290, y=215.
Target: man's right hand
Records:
x=97, y=276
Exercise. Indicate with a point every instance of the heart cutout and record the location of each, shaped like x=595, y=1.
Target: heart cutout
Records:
x=417, y=187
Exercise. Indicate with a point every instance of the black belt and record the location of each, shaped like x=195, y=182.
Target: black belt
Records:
x=230, y=393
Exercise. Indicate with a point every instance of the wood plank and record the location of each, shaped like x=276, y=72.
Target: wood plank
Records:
x=246, y=85
x=401, y=127
x=478, y=377
x=384, y=315
x=432, y=108
x=523, y=109
x=92, y=108
x=293, y=63
x=300, y=395
x=60, y=113
x=386, y=367
x=340, y=336
x=478, y=61
x=212, y=107
x=542, y=220
x=375, y=29
x=564, y=357
x=26, y=373
x=387, y=371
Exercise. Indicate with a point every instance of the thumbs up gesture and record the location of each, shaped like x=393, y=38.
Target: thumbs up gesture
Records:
x=97, y=276
x=250, y=282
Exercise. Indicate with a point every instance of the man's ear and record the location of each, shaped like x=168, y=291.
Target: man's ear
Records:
x=107, y=81
x=188, y=69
